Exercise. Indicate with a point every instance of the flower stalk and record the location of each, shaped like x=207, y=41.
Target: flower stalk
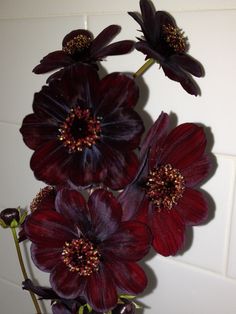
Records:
x=144, y=68
x=21, y=262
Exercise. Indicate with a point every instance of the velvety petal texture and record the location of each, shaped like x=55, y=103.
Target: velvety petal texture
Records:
x=84, y=129
x=87, y=248
x=164, y=42
x=165, y=193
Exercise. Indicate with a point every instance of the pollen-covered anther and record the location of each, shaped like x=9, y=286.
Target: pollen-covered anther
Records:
x=165, y=187
x=40, y=196
x=175, y=38
x=80, y=256
x=79, y=130
x=77, y=44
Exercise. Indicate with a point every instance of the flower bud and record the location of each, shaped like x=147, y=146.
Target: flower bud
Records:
x=11, y=217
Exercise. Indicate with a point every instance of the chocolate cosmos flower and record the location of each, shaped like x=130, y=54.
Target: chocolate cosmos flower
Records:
x=164, y=192
x=164, y=42
x=87, y=249
x=84, y=129
x=79, y=46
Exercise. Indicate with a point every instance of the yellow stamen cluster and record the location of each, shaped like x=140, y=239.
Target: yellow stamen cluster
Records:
x=77, y=44
x=41, y=195
x=80, y=256
x=86, y=135
x=175, y=38
x=165, y=186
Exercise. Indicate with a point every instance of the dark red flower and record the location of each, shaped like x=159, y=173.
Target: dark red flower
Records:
x=87, y=249
x=164, y=193
x=164, y=42
x=84, y=129
x=79, y=46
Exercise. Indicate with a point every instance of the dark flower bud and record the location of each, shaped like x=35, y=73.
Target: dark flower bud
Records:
x=128, y=308
x=11, y=217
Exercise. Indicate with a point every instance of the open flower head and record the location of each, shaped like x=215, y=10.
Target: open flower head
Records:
x=164, y=42
x=84, y=130
x=164, y=193
x=80, y=46
x=87, y=249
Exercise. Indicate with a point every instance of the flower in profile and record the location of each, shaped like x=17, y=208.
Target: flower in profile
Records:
x=164, y=193
x=79, y=46
x=12, y=217
x=87, y=249
x=84, y=129
x=164, y=42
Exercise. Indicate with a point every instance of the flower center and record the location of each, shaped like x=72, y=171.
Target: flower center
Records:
x=80, y=256
x=175, y=38
x=77, y=44
x=41, y=195
x=165, y=186
x=79, y=130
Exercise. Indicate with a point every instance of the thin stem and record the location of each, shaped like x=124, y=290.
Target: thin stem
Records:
x=143, y=68
x=21, y=262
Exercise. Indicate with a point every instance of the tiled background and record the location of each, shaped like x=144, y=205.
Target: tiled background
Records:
x=203, y=278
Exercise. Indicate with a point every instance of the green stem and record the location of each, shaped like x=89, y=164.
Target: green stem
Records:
x=143, y=68
x=38, y=311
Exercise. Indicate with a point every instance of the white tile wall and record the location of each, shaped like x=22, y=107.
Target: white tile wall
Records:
x=202, y=279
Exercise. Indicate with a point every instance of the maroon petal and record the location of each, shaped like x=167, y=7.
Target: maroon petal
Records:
x=121, y=168
x=116, y=90
x=122, y=129
x=175, y=73
x=50, y=163
x=168, y=231
x=100, y=290
x=129, y=277
x=48, y=228
x=130, y=243
x=36, y=132
x=104, y=38
x=133, y=201
x=88, y=167
x=45, y=258
x=78, y=85
x=65, y=283
x=197, y=171
x=105, y=212
x=193, y=207
x=145, y=48
x=53, y=61
x=154, y=138
x=72, y=205
x=183, y=146
x=189, y=64
x=148, y=15
x=117, y=48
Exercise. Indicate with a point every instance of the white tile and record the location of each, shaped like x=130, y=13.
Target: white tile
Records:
x=179, y=289
x=18, y=185
x=14, y=300
x=29, y=8
x=23, y=44
x=231, y=271
x=207, y=244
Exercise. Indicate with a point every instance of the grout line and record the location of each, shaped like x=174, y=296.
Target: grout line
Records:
x=10, y=123
x=11, y=283
x=85, y=21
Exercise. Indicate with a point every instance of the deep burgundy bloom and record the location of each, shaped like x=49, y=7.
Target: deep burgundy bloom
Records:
x=164, y=42
x=87, y=249
x=84, y=129
x=79, y=46
x=164, y=193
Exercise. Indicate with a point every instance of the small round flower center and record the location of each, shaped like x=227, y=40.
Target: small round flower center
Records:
x=165, y=186
x=79, y=130
x=175, y=38
x=80, y=256
x=77, y=44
